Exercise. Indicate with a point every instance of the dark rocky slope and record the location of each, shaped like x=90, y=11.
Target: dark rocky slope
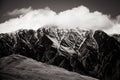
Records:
x=109, y=56
x=86, y=52
x=116, y=36
x=17, y=67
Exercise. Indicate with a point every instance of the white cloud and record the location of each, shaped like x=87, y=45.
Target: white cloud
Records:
x=114, y=30
x=76, y=17
x=81, y=17
x=19, y=11
x=118, y=19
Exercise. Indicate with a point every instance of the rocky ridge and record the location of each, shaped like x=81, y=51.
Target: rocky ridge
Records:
x=17, y=67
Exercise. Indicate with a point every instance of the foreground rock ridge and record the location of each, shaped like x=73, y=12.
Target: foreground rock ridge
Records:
x=17, y=67
x=92, y=53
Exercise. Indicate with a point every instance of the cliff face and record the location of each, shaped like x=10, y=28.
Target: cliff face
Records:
x=86, y=52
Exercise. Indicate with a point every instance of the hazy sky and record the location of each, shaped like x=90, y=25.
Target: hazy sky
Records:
x=90, y=14
x=111, y=7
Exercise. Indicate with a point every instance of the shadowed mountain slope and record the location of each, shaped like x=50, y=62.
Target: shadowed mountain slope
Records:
x=116, y=36
x=17, y=67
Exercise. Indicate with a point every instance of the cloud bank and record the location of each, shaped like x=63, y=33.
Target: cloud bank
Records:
x=76, y=17
x=17, y=12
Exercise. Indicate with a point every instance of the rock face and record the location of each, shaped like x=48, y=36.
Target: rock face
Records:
x=17, y=67
x=86, y=52
x=116, y=36
x=109, y=56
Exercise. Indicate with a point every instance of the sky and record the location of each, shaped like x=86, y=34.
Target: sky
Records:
x=85, y=14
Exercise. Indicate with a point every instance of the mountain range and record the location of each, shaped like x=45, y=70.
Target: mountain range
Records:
x=86, y=52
